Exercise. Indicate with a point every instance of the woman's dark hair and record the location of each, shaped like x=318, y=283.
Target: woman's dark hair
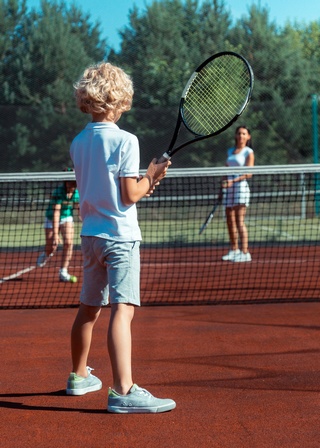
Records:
x=68, y=170
x=249, y=142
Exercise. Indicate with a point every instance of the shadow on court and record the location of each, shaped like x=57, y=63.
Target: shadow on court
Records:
x=242, y=376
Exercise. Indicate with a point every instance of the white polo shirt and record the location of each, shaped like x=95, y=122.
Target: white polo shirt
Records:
x=101, y=154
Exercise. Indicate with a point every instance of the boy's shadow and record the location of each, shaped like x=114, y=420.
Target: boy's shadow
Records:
x=58, y=393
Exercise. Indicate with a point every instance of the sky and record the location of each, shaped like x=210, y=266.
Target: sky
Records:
x=113, y=14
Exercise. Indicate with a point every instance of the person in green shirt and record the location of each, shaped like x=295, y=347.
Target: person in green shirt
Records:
x=59, y=221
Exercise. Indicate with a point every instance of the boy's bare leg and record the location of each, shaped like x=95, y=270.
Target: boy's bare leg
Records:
x=81, y=336
x=120, y=346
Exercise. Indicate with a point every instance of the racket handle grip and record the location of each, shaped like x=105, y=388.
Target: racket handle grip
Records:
x=164, y=158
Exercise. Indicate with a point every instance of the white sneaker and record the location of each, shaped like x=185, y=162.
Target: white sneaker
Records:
x=64, y=276
x=137, y=401
x=241, y=257
x=231, y=255
x=78, y=385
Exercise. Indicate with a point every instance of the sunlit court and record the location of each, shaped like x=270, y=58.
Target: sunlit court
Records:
x=223, y=351
x=240, y=338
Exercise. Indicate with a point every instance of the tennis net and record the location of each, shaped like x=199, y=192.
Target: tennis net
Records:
x=178, y=265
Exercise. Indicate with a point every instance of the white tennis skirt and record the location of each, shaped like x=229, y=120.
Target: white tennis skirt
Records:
x=238, y=194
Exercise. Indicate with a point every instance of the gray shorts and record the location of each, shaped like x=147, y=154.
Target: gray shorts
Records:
x=111, y=271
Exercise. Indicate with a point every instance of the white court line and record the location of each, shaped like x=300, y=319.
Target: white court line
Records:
x=228, y=263
x=278, y=232
x=184, y=263
x=277, y=261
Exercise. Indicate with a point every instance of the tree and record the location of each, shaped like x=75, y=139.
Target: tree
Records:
x=277, y=113
x=166, y=44
x=49, y=50
x=172, y=37
x=44, y=51
x=307, y=38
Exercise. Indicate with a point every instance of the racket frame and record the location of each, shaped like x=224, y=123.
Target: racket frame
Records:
x=210, y=216
x=171, y=151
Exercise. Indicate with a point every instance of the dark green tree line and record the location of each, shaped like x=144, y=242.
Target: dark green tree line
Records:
x=279, y=114
x=42, y=53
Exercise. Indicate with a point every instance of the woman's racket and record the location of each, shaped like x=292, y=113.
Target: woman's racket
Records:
x=218, y=202
x=28, y=269
x=210, y=216
x=215, y=96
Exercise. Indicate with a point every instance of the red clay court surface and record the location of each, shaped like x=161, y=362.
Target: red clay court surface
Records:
x=242, y=376
x=178, y=275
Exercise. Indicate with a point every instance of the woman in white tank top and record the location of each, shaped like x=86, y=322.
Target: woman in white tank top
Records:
x=237, y=195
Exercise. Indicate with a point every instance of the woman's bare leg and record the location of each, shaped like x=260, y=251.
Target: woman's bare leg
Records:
x=232, y=228
x=240, y=213
x=67, y=232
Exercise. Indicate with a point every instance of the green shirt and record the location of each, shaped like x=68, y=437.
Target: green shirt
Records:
x=59, y=196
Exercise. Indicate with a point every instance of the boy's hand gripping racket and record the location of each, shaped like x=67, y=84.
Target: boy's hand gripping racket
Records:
x=215, y=96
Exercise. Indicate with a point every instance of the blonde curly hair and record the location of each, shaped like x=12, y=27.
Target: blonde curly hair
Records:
x=104, y=87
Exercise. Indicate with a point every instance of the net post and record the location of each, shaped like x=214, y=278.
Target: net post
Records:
x=315, y=99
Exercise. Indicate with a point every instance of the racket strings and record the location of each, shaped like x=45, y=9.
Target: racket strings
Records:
x=216, y=95
x=220, y=92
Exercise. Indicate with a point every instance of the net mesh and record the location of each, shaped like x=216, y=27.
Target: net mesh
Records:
x=216, y=95
x=178, y=266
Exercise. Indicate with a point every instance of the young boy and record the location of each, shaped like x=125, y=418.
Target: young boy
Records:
x=59, y=220
x=106, y=161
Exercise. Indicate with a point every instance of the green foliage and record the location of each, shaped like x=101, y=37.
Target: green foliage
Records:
x=166, y=44
x=173, y=37
x=42, y=53
x=279, y=113
x=49, y=49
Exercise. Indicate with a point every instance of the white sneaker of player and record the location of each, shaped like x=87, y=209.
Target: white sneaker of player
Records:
x=231, y=255
x=242, y=257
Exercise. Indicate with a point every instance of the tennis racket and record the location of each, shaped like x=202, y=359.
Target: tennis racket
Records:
x=43, y=258
x=213, y=99
x=211, y=214
x=26, y=270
